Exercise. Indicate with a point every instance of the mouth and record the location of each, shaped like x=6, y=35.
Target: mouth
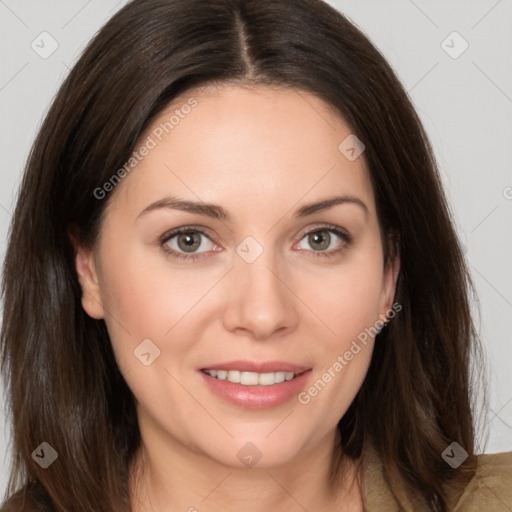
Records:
x=252, y=378
x=255, y=385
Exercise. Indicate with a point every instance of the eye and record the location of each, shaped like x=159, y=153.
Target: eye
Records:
x=187, y=243
x=326, y=241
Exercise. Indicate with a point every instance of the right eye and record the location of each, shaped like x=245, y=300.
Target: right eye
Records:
x=186, y=242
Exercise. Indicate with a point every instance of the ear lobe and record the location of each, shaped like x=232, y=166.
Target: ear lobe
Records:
x=393, y=270
x=85, y=267
x=391, y=273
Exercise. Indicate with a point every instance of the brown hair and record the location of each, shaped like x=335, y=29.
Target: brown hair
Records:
x=64, y=386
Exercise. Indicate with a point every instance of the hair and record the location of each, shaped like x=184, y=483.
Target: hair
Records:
x=64, y=386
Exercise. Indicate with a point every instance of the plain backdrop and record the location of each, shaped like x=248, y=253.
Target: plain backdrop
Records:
x=460, y=83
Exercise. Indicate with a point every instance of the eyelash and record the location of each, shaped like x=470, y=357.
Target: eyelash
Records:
x=345, y=237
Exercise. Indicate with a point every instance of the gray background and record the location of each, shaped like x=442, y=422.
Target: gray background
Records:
x=465, y=104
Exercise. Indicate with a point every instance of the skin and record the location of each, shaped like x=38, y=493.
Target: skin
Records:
x=261, y=154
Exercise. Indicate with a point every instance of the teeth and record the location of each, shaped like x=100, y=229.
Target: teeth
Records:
x=251, y=378
x=233, y=376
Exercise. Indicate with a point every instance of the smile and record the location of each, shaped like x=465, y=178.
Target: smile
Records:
x=256, y=390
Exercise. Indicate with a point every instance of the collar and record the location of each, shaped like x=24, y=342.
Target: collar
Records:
x=378, y=494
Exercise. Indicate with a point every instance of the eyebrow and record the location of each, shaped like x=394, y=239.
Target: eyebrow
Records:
x=218, y=212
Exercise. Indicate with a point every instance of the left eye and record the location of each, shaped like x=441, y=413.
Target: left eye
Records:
x=324, y=240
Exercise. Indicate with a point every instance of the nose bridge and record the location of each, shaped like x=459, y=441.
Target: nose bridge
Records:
x=259, y=302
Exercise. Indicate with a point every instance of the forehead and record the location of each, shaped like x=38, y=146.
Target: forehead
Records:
x=248, y=147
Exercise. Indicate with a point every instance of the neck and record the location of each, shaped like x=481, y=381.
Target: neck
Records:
x=166, y=475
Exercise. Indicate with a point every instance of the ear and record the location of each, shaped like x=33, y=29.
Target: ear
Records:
x=85, y=266
x=390, y=277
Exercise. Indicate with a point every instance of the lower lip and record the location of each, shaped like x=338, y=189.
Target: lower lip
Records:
x=256, y=397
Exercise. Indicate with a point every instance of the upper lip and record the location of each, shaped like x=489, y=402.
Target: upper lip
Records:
x=257, y=366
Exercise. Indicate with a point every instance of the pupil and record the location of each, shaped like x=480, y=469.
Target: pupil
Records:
x=321, y=238
x=187, y=242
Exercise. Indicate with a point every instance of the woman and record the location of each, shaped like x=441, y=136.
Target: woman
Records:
x=232, y=281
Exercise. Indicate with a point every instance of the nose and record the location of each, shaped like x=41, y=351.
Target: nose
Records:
x=259, y=298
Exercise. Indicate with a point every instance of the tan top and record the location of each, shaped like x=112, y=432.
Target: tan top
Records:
x=490, y=489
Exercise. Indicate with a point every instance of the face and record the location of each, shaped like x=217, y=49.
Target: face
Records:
x=261, y=285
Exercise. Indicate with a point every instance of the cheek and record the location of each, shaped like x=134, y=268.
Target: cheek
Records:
x=347, y=299
x=144, y=292
x=144, y=298
x=348, y=304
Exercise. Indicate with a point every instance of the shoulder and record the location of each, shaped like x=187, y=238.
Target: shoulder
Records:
x=491, y=486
